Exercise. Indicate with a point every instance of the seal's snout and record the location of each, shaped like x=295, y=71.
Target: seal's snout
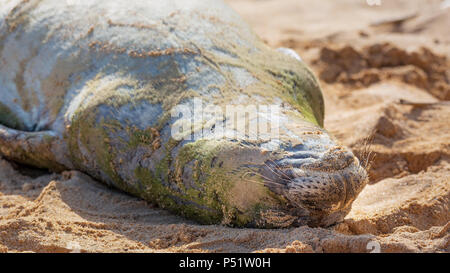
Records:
x=320, y=183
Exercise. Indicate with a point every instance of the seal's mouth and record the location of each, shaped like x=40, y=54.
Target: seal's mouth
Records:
x=319, y=183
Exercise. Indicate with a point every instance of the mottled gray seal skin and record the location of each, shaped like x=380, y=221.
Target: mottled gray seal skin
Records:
x=89, y=85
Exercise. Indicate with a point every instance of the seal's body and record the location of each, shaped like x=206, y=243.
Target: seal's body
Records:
x=92, y=86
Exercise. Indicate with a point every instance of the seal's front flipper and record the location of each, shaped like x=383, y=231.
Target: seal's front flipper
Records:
x=30, y=148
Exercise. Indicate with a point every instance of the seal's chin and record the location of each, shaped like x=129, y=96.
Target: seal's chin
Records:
x=319, y=184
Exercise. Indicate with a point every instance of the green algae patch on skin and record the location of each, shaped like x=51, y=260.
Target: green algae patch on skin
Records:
x=199, y=201
x=221, y=175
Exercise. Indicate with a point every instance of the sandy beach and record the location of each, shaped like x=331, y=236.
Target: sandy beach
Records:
x=385, y=74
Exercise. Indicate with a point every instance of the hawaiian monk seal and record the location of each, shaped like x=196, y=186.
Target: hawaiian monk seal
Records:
x=99, y=86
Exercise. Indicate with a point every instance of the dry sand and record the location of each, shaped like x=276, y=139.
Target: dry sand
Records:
x=385, y=72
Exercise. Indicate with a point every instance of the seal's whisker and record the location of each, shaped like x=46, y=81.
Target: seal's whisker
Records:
x=278, y=166
x=265, y=183
x=278, y=173
x=366, y=154
x=256, y=182
x=260, y=183
x=268, y=180
x=262, y=176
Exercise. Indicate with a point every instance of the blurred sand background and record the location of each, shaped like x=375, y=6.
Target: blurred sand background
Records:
x=385, y=73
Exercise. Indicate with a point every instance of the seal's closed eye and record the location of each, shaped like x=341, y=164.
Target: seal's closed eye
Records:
x=105, y=94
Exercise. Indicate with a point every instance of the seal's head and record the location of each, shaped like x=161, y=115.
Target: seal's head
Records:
x=306, y=178
x=318, y=177
x=302, y=176
x=268, y=162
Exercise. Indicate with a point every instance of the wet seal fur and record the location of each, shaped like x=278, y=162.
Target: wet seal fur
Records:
x=89, y=85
